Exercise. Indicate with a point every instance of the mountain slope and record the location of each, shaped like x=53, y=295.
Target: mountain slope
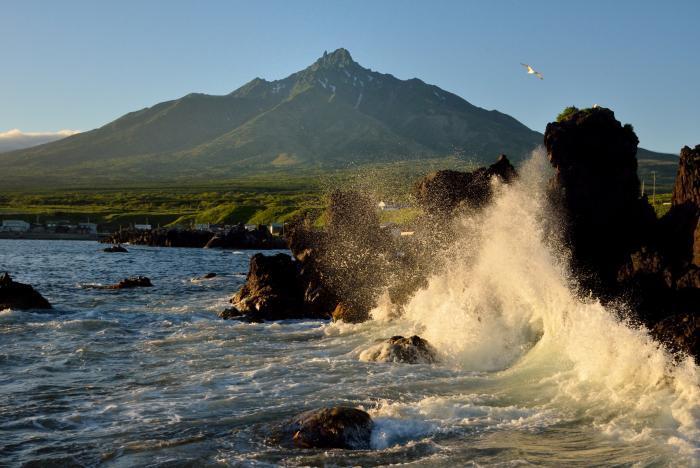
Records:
x=333, y=114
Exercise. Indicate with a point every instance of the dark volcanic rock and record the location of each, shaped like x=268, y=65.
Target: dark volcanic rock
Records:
x=597, y=187
x=682, y=222
x=620, y=251
x=14, y=295
x=160, y=237
x=337, y=427
x=115, y=249
x=442, y=191
x=687, y=186
x=413, y=350
x=350, y=313
x=132, y=282
x=230, y=313
x=348, y=260
x=681, y=333
x=236, y=237
x=272, y=290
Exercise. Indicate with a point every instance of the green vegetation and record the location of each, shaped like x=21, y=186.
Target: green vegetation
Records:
x=661, y=203
x=567, y=113
x=255, y=200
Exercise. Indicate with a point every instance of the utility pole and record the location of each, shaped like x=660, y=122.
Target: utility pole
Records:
x=653, y=192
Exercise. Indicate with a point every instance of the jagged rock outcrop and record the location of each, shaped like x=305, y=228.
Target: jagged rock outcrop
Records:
x=411, y=350
x=442, y=191
x=684, y=216
x=620, y=251
x=339, y=427
x=348, y=265
x=347, y=261
x=19, y=296
x=597, y=188
x=273, y=290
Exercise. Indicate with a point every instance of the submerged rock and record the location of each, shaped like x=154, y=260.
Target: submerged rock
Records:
x=339, y=427
x=132, y=282
x=14, y=295
x=272, y=290
x=115, y=249
x=412, y=350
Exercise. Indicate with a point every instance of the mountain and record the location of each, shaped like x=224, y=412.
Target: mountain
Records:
x=333, y=114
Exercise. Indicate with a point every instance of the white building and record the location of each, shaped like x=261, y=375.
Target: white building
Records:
x=143, y=227
x=15, y=225
x=202, y=227
x=251, y=227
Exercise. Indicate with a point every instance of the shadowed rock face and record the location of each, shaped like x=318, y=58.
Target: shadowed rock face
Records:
x=272, y=290
x=338, y=427
x=348, y=313
x=14, y=295
x=687, y=187
x=442, y=191
x=684, y=215
x=681, y=333
x=597, y=187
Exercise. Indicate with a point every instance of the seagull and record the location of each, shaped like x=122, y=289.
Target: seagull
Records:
x=532, y=71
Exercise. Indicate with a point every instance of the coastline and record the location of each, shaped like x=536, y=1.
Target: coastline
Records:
x=52, y=236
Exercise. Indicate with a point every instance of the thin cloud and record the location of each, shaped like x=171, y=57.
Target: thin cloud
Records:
x=16, y=139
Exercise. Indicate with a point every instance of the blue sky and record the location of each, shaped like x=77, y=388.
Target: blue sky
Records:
x=79, y=65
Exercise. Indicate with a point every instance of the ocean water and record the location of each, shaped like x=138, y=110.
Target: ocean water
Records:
x=529, y=373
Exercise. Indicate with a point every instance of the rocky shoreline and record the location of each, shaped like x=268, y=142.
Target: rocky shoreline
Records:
x=620, y=251
x=237, y=237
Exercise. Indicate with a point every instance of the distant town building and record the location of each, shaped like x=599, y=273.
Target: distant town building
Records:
x=143, y=227
x=251, y=227
x=276, y=229
x=15, y=225
x=202, y=227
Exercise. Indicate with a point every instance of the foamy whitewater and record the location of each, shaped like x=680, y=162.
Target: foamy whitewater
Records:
x=529, y=372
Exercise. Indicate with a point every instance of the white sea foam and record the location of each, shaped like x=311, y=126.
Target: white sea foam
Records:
x=504, y=302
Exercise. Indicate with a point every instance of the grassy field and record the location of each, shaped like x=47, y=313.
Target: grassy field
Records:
x=257, y=200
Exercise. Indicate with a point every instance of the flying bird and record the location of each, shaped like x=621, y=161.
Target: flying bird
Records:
x=532, y=71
